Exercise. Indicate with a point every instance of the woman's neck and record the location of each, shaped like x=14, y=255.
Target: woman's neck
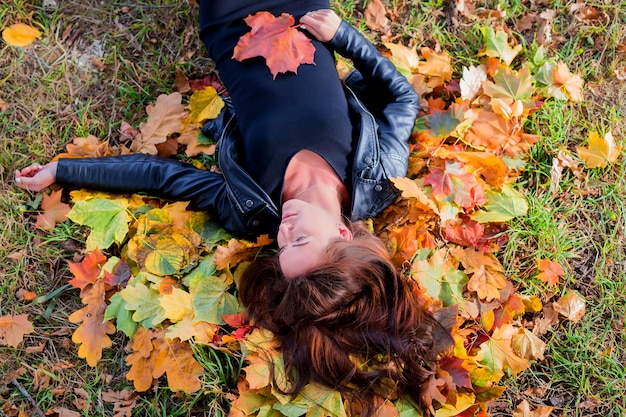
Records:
x=310, y=178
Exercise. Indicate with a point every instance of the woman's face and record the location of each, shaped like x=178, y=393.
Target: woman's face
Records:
x=304, y=232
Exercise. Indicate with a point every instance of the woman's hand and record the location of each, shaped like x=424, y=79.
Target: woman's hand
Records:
x=322, y=24
x=36, y=177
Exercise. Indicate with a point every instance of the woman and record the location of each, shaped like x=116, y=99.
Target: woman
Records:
x=319, y=150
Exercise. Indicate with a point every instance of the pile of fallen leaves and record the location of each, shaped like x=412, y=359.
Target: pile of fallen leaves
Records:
x=166, y=276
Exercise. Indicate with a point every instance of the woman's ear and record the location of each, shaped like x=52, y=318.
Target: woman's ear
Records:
x=344, y=232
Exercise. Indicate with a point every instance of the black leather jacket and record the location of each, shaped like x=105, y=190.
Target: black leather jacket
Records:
x=383, y=107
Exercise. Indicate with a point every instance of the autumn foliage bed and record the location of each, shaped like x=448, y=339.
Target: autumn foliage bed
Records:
x=161, y=279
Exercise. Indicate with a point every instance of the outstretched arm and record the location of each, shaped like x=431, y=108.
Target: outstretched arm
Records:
x=36, y=177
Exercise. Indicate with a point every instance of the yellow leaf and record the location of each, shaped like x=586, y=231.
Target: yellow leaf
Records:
x=20, y=34
x=527, y=345
x=463, y=402
x=177, y=305
x=205, y=104
x=600, y=151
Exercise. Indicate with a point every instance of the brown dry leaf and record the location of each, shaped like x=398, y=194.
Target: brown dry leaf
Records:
x=571, y=306
x=375, y=15
x=54, y=211
x=92, y=334
x=523, y=410
x=13, y=329
x=87, y=147
x=562, y=160
x=124, y=402
x=527, y=345
x=62, y=412
x=239, y=251
x=164, y=118
x=181, y=82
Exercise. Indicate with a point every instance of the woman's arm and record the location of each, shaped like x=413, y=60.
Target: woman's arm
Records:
x=386, y=89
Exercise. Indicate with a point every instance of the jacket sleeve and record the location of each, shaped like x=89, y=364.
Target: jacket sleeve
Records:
x=160, y=177
x=392, y=96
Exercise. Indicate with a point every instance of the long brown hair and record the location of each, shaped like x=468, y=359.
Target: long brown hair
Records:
x=352, y=323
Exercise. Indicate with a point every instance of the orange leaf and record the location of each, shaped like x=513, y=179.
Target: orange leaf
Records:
x=455, y=184
x=571, y=305
x=523, y=410
x=92, y=334
x=87, y=271
x=53, y=210
x=13, y=329
x=282, y=45
x=239, y=251
x=550, y=271
x=497, y=134
x=571, y=83
x=87, y=147
x=20, y=34
x=375, y=18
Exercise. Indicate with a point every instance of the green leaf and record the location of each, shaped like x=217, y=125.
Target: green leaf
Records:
x=497, y=46
x=443, y=123
x=440, y=280
x=209, y=231
x=167, y=258
x=123, y=318
x=146, y=303
x=291, y=409
x=323, y=401
x=511, y=85
x=205, y=268
x=211, y=299
x=407, y=408
x=108, y=220
x=501, y=206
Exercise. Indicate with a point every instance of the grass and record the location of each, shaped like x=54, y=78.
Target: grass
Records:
x=52, y=100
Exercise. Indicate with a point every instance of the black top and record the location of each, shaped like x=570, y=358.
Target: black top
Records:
x=279, y=117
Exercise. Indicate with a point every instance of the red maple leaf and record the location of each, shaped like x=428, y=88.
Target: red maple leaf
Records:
x=276, y=39
x=53, y=211
x=87, y=271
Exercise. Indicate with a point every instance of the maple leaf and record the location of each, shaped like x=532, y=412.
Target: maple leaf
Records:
x=144, y=301
x=190, y=137
x=487, y=278
x=282, y=45
x=496, y=354
x=211, y=299
x=600, y=151
x=13, y=329
x=550, y=271
x=472, y=81
x=205, y=104
x=444, y=123
x=437, y=66
x=458, y=369
x=571, y=306
x=462, y=403
x=88, y=270
x=92, y=334
x=572, y=84
x=53, y=210
x=116, y=272
x=411, y=189
x=501, y=206
x=20, y=34
x=523, y=410
x=164, y=118
x=455, y=184
x=497, y=134
x=123, y=317
x=487, y=165
x=439, y=277
x=176, y=305
x=239, y=251
x=405, y=59
x=497, y=46
x=108, y=220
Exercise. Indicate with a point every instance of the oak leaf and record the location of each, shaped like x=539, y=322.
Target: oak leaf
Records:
x=92, y=334
x=164, y=118
x=276, y=39
x=88, y=147
x=600, y=151
x=239, y=251
x=20, y=34
x=88, y=270
x=13, y=329
x=550, y=271
x=54, y=211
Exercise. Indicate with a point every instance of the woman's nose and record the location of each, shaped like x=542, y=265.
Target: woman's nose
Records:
x=285, y=229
